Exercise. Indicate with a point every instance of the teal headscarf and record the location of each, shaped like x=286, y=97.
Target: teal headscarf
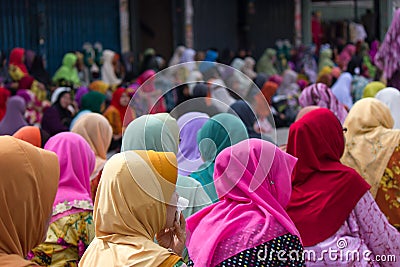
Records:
x=219, y=132
x=92, y=101
x=159, y=132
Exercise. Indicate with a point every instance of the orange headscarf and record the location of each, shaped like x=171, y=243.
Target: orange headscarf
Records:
x=30, y=134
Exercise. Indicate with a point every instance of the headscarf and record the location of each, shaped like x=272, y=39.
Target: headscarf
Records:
x=252, y=180
x=324, y=190
x=266, y=64
x=358, y=84
x=389, y=52
x=176, y=57
x=342, y=89
x=391, y=97
x=370, y=140
x=152, y=97
x=248, y=67
x=374, y=50
x=325, y=59
x=268, y=90
x=97, y=132
x=115, y=102
x=92, y=101
x=188, y=58
x=158, y=132
x=130, y=209
x=107, y=70
x=320, y=95
x=39, y=72
x=35, y=172
x=372, y=89
x=77, y=162
x=99, y=86
x=209, y=62
x=189, y=158
x=16, y=59
x=245, y=112
x=304, y=111
x=14, y=117
x=67, y=71
x=219, y=132
x=4, y=95
x=289, y=84
x=33, y=135
x=346, y=55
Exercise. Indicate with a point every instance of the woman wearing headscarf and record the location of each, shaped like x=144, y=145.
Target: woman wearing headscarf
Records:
x=236, y=80
x=149, y=61
x=357, y=87
x=33, y=135
x=320, y=95
x=330, y=203
x=17, y=68
x=245, y=112
x=346, y=55
x=266, y=63
x=373, y=150
x=208, y=68
x=220, y=95
x=387, y=57
x=71, y=225
x=219, y=132
x=176, y=57
x=151, y=96
x=160, y=132
x=108, y=71
x=391, y=97
x=252, y=180
x=248, y=67
x=325, y=59
x=134, y=181
x=58, y=117
x=29, y=83
x=67, y=74
x=188, y=156
x=39, y=72
x=372, y=89
x=97, y=132
x=119, y=114
x=187, y=58
x=99, y=86
x=90, y=102
x=37, y=170
x=4, y=95
x=374, y=50
x=342, y=89
x=14, y=118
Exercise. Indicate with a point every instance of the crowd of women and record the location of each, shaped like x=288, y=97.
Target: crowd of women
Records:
x=97, y=163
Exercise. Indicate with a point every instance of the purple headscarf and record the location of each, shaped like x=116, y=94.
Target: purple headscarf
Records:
x=374, y=50
x=321, y=95
x=77, y=161
x=189, y=158
x=387, y=58
x=14, y=117
x=80, y=93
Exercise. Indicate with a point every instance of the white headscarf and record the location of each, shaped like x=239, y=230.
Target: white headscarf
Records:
x=342, y=89
x=391, y=97
x=107, y=70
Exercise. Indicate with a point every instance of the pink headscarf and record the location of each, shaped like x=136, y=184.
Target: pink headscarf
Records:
x=77, y=161
x=374, y=50
x=321, y=95
x=346, y=54
x=253, y=183
x=387, y=58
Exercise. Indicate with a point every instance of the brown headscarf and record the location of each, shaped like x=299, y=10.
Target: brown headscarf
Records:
x=130, y=209
x=28, y=186
x=370, y=140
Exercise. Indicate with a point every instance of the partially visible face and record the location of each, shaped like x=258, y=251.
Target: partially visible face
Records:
x=124, y=100
x=65, y=100
x=171, y=210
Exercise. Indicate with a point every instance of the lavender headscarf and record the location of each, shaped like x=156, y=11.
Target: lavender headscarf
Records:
x=14, y=118
x=320, y=95
x=342, y=89
x=189, y=158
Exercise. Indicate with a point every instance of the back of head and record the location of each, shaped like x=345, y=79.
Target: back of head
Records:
x=36, y=172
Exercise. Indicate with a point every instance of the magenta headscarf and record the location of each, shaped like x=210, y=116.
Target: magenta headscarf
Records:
x=374, y=50
x=347, y=53
x=77, y=161
x=253, y=183
x=321, y=95
x=387, y=58
x=189, y=158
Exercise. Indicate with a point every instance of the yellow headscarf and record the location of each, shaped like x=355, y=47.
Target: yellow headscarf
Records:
x=372, y=89
x=130, y=209
x=370, y=140
x=97, y=131
x=28, y=186
x=99, y=86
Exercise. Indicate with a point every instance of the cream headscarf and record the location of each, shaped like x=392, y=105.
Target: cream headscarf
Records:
x=28, y=186
x=370, y=140
x=130, y=209
x=97, y=131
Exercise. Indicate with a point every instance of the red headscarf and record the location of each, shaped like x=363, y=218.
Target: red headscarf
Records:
x=4, y=95
x=16, y=59
x=268, y=90
x=115, y=101
x=26, y=82
x=324, y=190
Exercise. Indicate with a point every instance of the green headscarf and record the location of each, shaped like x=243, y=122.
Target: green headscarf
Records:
x=219, y=132
x=92, y=101
x=372, y=89
x=265, y=64
x=152, y=132
x=325, y=59
x=67, y=71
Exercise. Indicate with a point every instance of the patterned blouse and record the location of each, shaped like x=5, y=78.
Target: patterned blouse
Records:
x=285, y=250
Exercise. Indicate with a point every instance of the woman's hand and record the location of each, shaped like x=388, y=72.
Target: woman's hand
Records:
x=173, y=238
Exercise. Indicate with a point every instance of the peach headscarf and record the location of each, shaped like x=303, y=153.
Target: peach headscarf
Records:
x=130, y=209
x=97, y=131
x=24, y=215
x=30, y=134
